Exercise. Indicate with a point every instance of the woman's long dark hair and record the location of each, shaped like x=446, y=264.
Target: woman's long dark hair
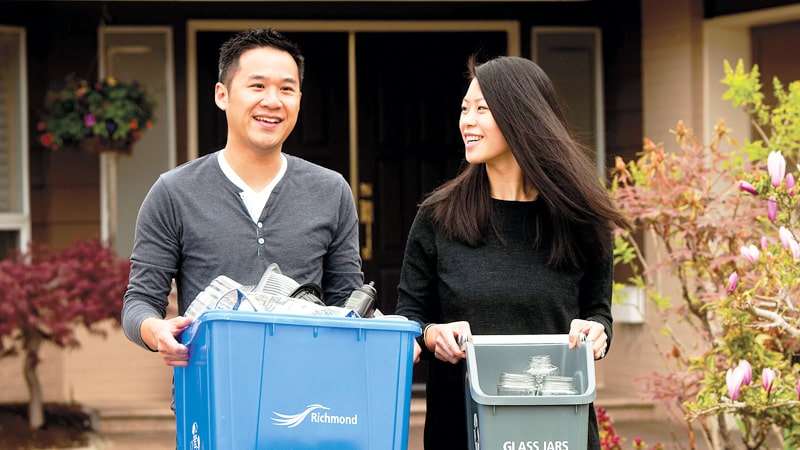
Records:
x=577, y=212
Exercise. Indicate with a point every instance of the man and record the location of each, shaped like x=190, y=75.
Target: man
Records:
x=238, y=210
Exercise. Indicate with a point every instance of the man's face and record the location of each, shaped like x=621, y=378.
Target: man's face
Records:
x=261, y=100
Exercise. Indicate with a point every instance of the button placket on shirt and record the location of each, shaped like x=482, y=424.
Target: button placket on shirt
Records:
x=260, y=237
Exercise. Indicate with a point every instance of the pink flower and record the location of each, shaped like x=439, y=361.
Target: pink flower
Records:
x=89, y=120
x=797, y=389
x=772, y=209
x=789, y=181
x=747, y=371
x=794, y=247
x=786, y=237
x=776, y=166
x=733, y=281
x=750, y=252
x=747, y=187
x=764, y=243
x=767, y=378
x=733, y=380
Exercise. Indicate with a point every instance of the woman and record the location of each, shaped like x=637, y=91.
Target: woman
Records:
x=518, y=243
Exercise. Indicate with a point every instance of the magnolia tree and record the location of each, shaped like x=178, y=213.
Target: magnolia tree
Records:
x=725, y=220
x=46, y=295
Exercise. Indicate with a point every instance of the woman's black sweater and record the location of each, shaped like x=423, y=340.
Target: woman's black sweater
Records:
x=502, y=286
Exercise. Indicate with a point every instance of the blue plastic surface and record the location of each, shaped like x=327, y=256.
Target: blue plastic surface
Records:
x=264, y=381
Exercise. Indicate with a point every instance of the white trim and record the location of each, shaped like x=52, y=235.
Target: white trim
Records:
x=767, y=16
x=352, y=100
x=193, y=26
x=108, y=165
x=631, y=307
x=25, y=232
x=600, y=117
x=12, y=221
x=105, y=181
x=729, y=37
x=21, y=221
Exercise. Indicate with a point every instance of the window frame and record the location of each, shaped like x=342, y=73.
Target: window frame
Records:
x=600, y=122
x=21, y=221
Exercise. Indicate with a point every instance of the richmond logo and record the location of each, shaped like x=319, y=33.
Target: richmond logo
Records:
x=312, y=411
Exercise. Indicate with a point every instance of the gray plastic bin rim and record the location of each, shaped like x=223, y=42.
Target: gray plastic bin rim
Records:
x=483, y=398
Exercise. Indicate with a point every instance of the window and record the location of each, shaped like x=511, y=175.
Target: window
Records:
x=14, y=208
x=143, y=54
x=572, y=58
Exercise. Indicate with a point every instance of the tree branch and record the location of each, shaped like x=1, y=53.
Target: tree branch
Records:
x=735, y=406
x=760, y=132
x=639, y=255
x=776, y=320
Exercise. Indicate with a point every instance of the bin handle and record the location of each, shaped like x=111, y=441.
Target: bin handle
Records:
x=519, y=339
x=188, y=334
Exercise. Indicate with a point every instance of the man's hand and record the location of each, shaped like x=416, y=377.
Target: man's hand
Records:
x=594, y=331
x=417, y=351
x=159, y=335
x=442, y=339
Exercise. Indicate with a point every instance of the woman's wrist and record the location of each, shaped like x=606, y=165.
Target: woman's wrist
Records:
x=425, y=334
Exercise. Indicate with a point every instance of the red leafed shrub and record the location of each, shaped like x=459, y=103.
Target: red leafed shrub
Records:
x=46, y=295
x=610, y=440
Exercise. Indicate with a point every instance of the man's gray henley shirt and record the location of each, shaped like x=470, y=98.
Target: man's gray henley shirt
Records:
x=193, y=226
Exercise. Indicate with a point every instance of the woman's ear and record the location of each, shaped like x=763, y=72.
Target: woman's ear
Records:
x=221, y=96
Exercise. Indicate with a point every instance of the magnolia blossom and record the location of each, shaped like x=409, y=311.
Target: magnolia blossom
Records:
x=794, y=246
x=733, y=281
x=789, y=182
x=776, y=166
x=733, y=380
x=764, y=243
x=786, y=237
x=797, y=389
x=747, y=187
x=747, y=371
x=767, y=378
x=750, y=252
x=772, y=209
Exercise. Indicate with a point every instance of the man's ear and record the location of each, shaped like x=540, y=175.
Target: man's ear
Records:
x=221, y=96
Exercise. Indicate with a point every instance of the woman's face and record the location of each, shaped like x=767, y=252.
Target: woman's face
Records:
x=483, y=141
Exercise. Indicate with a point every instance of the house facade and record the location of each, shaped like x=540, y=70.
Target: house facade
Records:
x=383, y=85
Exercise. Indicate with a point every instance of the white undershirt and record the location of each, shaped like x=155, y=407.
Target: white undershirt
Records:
x=253, y=201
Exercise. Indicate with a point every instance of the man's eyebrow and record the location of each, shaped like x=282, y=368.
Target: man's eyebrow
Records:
x=257, y=77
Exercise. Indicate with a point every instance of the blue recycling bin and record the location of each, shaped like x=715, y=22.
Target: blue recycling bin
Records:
x=283, y=382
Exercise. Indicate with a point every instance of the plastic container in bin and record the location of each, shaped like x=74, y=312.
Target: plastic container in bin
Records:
x=268, y=381
x=527, y=422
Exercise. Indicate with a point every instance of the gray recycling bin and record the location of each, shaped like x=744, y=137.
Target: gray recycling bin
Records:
x=537, y=421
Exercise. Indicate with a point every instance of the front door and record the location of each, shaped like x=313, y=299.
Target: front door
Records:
x=410, y=87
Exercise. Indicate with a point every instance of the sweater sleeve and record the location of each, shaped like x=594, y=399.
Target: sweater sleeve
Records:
x=341, y=272
x=595, y=295
x=154, y=262
x=417, y=296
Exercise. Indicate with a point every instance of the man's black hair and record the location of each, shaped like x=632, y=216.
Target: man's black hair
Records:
x=233, y=48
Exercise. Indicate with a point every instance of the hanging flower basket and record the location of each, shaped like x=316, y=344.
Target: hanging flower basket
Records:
x=107, y=117
x=99, y=145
